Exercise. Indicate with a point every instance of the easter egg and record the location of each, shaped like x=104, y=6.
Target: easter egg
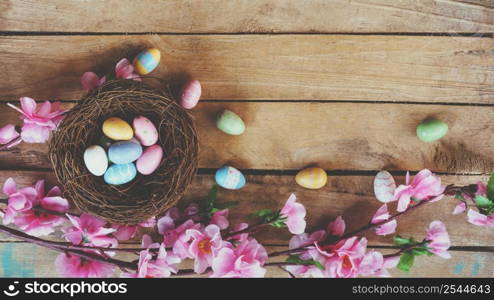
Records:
x=431, y=130
x=384, y=186
x=105, y=142
x=117, y=129
x=124, y=152
x=150, y=160
x=190, y=94
x=95, y=160
x=145, y=131
x=312, y=178
x=230, y=178
x=230, y=123
x=146, y=61
x=120, y=174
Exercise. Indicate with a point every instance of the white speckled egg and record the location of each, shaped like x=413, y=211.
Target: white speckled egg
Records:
x=384, y=186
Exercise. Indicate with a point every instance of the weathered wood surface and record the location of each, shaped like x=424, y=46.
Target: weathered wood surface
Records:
x=349, y=196
x=27, y=260
x=259, y=67
x=335, y=136
x=251, y=16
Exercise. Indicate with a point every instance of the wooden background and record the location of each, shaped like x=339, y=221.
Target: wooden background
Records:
x=340, y=84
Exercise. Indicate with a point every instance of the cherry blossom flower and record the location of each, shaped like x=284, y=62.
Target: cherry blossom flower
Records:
x=295, y=215
x=342, y=260
x=164, y=265
x=125, y=232
x=38, y=223
x=337, y=227
x=19, y=200
x=375, y=264
x=220, y=218
x=78, y=267
x=204, y=245
x=425, y=186
x=40, y=120
x=381, y=215
x=241, y=236
x=177, y=237
x=460, y=208
x=123, y=69
x=8, y=133
x=438, y=239
x=89, y=230
x=244, y=261
x=476, y=218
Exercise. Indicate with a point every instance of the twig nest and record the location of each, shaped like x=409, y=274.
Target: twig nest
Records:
x=144, y=196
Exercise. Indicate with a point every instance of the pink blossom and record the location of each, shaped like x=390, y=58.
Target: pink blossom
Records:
x=123, y=69
x=304, y=239
x=337, y=227
x=244, y=261
x=204, y=246
x=476, y=218
x=8, y=134
x=192, y=211
x=125, y=232
x=19, y=200
x=381, y=215
x=460, y=208
x=89, y=230
x=438, y=239
x=295, y=215
x=425, y=186
x=41, y=223
x=178, y=238
x=40, y=120
x=76, y=266
x=342, y=260
x=241, y=236
x=220, y=218
x=163, y=266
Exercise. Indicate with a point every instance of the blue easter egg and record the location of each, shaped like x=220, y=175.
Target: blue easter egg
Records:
x=124, y=152
x=230, y=178
x=120, y=174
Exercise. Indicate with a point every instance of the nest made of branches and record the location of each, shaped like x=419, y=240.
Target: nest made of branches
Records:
x=145, y=196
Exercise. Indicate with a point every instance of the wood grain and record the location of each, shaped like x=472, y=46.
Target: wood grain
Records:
x=27, y=260
x=349, y=196
x=248, y=16
x=265, y=67
x=335, y=136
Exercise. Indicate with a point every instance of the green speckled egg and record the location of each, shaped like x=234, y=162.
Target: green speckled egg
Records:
x=230, y=123
x=431, y=130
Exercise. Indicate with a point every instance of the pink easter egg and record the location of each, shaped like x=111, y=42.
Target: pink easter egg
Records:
x=144, y=131
x=190, y=95
x=149, y=160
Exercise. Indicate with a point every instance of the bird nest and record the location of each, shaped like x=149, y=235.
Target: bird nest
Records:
x=145, y=196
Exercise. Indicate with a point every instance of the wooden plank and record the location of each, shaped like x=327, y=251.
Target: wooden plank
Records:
x=336, y=136
x=27, y=260
x=248, y=16
x=350, y=196
x=259, y=67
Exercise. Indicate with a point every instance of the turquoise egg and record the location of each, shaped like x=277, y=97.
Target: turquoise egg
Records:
x=146, y=61
x=230, y=178
x=124, y=152
x=120, y=174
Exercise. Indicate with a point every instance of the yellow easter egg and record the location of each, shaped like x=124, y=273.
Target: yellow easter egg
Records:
x=312, y=178
x=146, y=61
x=117, y=129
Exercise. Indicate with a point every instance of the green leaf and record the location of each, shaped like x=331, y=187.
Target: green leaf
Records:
x=460, y=197
x=422, y=250
x=293, y=259
x=401, y=241
x=490, y=187
x=483, y=202
x=212, y=196
x=406, y=262
x=262, y=213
